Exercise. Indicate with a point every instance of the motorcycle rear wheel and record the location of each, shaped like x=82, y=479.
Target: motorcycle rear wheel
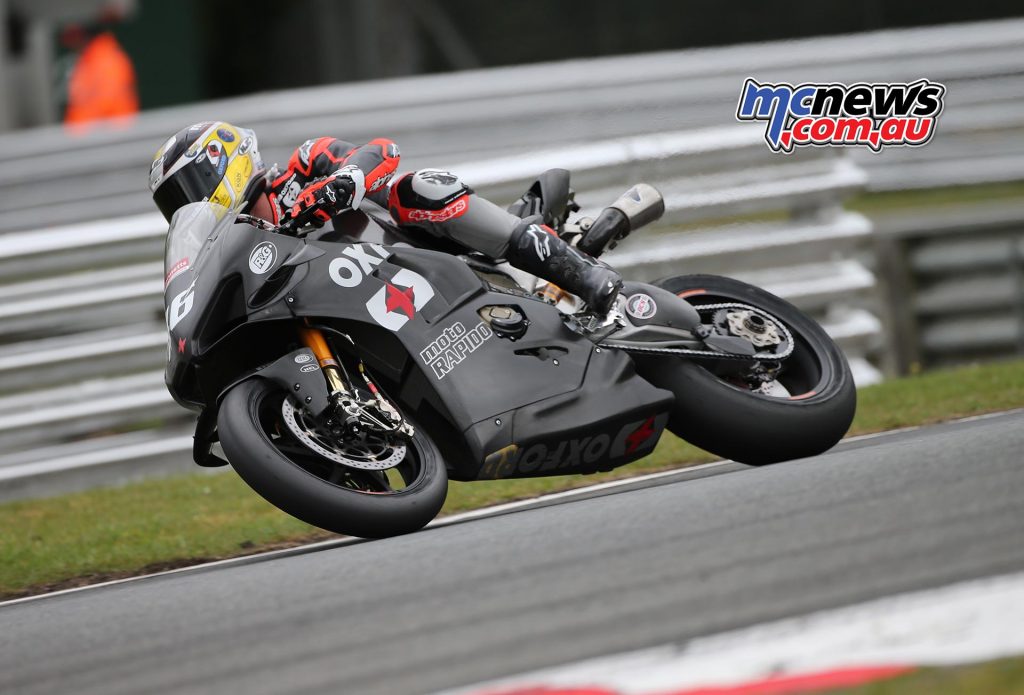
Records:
x=355, y=502
x=807, y=417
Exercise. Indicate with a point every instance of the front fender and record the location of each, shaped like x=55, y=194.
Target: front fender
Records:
x=297, y=373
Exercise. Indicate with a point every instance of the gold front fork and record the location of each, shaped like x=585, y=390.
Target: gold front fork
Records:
x=315, y=341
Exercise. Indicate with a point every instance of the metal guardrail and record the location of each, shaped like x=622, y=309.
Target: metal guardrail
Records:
x=977, y=142
x=954, y=282
x=80, y=313
x=49, y=178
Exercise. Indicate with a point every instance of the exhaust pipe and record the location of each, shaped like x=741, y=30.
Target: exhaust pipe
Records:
x=640, y=205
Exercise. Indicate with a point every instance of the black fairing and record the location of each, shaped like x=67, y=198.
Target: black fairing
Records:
x=539, y=405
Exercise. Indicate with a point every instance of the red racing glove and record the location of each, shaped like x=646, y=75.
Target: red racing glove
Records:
x=323, y=157
x=325, y=198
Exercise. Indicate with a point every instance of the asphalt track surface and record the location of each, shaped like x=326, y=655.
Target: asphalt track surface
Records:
x=664, y=561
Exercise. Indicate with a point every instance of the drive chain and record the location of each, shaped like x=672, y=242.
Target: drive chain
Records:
x=713, y=354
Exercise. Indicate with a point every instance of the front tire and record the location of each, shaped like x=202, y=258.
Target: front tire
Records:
x=728, y=420
x=313, y=489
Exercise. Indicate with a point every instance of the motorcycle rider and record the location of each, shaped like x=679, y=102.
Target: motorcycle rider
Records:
x=327, y=178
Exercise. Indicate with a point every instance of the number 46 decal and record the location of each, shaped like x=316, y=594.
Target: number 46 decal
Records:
x=180, y=306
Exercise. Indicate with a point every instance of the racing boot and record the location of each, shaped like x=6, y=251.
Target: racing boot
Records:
x=536, y=249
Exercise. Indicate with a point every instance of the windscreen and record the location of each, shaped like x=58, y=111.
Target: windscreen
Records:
x=194, y=228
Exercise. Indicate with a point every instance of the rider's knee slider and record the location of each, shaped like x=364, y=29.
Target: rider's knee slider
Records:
x=425, y=190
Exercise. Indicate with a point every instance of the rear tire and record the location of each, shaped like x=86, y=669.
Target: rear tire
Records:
x=243, y=422
x=749, y=427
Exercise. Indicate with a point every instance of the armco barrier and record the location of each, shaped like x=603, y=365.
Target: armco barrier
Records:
x=954, y=283
x=48, y=178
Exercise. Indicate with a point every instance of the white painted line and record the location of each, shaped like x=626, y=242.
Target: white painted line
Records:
x=963, y=623
x=484, y=512
x=568, y=494
x=444, y=521
x=191, y=568
x=338, y=542
x=900, y=430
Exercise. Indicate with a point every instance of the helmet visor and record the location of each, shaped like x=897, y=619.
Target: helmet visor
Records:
x=189, y=184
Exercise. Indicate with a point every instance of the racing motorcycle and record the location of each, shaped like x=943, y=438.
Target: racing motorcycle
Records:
x=347, y=379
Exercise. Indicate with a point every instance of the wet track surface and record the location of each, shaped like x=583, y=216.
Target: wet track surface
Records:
x=628, y=568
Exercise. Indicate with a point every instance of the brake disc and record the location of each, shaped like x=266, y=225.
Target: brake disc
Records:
x=369, y=456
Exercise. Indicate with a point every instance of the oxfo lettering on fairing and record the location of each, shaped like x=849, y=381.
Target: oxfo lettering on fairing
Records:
x=349, y=272
x=631, y=439
x=400, y=298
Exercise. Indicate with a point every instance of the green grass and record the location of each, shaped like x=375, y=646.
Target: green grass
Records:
x=940, y=395
x=101, y=534
x=895, y=201
x=1003, y=677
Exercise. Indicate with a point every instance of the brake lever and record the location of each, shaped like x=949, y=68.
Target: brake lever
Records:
x=287, y=228
x=257, y=222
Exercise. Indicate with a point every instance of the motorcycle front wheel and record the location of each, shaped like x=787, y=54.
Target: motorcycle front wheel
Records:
x=292, y=472
x=804, y=411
